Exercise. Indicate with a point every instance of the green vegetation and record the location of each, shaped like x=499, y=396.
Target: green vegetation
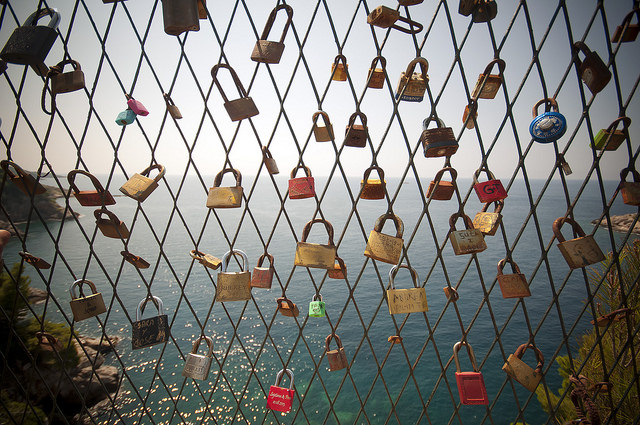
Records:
x=20, y=412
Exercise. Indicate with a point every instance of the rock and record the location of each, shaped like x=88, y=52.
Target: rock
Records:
x=36, y=296
x=100, y=344
x=99, y=413
x=621, y=223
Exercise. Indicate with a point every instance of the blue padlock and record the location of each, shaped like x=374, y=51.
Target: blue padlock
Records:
x=548, y=126
x=126, y=117
x=316, y=306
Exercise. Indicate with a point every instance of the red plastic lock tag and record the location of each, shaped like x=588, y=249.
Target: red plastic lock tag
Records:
x=280, y=399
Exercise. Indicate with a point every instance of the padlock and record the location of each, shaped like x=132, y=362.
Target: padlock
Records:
x=466, y=7
x=630, y=190
x=202, y=9
x=375, y=77
x=135, y=260
x=395, y=339
x=89, y=198
x=489, y=222
x=470, y=114
x=489, y=191
x=317, y=306
x=271, y=51
x=592, y=69
x=470, y=385
x=522, y=372
x=84, y=307
x=23, y=180
x=206, y=260
x=466, y=241
x=136, y=106
x=269, y=161
x=550, y=125
x=451, y=293
x=234, y=286
x=151, y=331
x=566, y=168
x=383, y=247
x=439, y=141
x=30, y=44
x=280, y=399
x=286, y=307
x=385, y=17
x=313, y=254
x=301, y=187
x=337, y=358
x=126, y=117
x=139, y=186
x=36, y=262
x=356, y=135
x=614, y=316
x=322, y=134
x=180, y=16
x=484, y=11
x=339, y=68
x=262, y=277
x=197, y=365
x=578, y=252
x=225, y=197
x=171, y=107
x=630, y=33
x=62, y=82
x=403, y=301
x=48, y=342
x=110, y=227
x=512, y=285
x=488, y=84
x=238, y=109
x=409, y=2
x=373, y=188
x=611, y=139
x=442, y=190
x=339, y=270
x=413, y=85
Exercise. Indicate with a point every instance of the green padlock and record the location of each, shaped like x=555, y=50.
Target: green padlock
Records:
x=316, y=306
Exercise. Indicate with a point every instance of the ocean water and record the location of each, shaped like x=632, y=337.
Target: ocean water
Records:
x=252, y=342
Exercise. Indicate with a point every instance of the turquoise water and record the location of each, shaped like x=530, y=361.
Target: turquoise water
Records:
x=263, y=341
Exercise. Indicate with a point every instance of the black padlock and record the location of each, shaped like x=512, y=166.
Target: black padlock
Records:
x=485, y=11
x=592, y=69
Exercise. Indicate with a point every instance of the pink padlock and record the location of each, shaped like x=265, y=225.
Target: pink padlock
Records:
x=136, y=106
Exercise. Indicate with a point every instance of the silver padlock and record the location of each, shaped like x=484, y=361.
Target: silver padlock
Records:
x=198, y=365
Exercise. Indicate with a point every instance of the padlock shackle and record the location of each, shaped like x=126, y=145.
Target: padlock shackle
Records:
x=634, y=173
x=557, y=224
x=234, y=252
x=317, y=297
x=394, y=271
x=266, y=153
x=167, y=99
x=539, y=357
x=429, y=119
x=263, y=257
x=396, y=221
x=414, y=27
x=374, y=62
x=306, y=169
x=549, y=103
x=361, y=115
x=329, y=338
x=47, y=11
x=160, y=168
x=283, y=372
x=51, y=340
x=272, y=18
x=368, y=171
x=468, y=224
x=324, y=116
x=327, y=226
x=112, y=217
x=196, y=345
x=78, y=283
x=472, y=356
x=5, y=163
x=579, y=46
x=484, y=168
x=134, y=259
x=424, y=66
x=629, y=16
x=143, y=303
x=451, y=170
x=236, y=80
x=218, y=180
x=501, y=66
x=284, y=300
x=59, y=67
x=197, y=255
x=340, y=58
x=503, y=262
x=71, y=178
x=626, y=122
x=497, y=209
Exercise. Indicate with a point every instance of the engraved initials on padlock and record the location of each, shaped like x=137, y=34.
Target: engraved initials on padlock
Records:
x=197, y=365
x=383, y=247
x=151, y=331
x=466, y=241
x=234, y=286
x=579, y=252
x=489, y=191
x=403, y=301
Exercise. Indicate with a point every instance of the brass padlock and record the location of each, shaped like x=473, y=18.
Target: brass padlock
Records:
x=225, y=197
x=592, y=70
x=36, y=262
x=512, y=285
x=627, y=31
x=301, y=187
x=611, y=139
x=520, y=371
x=262, y=277
x=488, y=84
x=111, y=227
x=286, y=307
x=404, y=301
x=451, y=293
x=62, y=82
x=271, y=51
x=413, y=85
x=484, y=11
x=234, y=286
x=313, y=254
x=439, y=141
x=373, y=188
x=89, y=198
x=337, y=358
x=356, y=135
x=269, y=161
x=470, y=114
x=238, y=109
x=171, y=107
x=339, y=270
x=383, y=247
x=339, y=68
x=197, y=365
x=375, y=78
x=48, y=342
x=135, y=260
x=385, y=17
x=442, y=190
x=180, y=16
x=23, y=180
x=206, y=260
x=139, y=186
x=84, y=307
x=466, y=241
x=579, y=252
x=322, y=134
x=151, y=331
x=630, y=190
x=489, y=222
x=394, y=339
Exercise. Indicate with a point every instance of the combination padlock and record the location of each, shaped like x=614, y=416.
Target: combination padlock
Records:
x=375, y=78
x=442, y=190
x=313, y=254
x=383, y=247
x=84, y=307
x=23, y=180
x=271, y=51
x=225, y=197
x=356, y=135
x=301, y=187
x=439, y=141
x=151, y=331
x=413, y=85
x=234, y=286
x=385, y=17
x=471, y=388
x=89, y=198
x=466, y=241
x=197, y=366
x=180, y=16
x=404, y=301
x=578, y=252
x=512, y=285
x=140, y=186
x=592, y=69
x=611, y=138
x=322, y=134
x=488, y=84
x=238, y=109
x=548, y=126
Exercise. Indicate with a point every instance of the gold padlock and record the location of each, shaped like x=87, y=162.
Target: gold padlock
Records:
x=442, y=190
x=630, y=190
x=339, y=270
x=84, y=307
x=470, y=114
x=383, y=247
x=238, y=109
x=286, y=307
x=466, y=241
x=322, y=134
x=404, y=301
x=111, y=227
x=171, y=107
x=225, y=197
x=579, y=252
x=611, y=139
x=206, y=260
x=413, y=85
x=385, y=17
x=375, y=78
x=89, y=198
x=337, y=358
x=269, y=161
x=512, y=285
x=234, y=286
x=313, y=254
x=339, y=68
x=23, y=180
x=488, y=84
x=520, y=371
x=36, y=262
x=373, y=188
x=139, y=186
x=489, y=222
x=271, y=51
x=356, y=135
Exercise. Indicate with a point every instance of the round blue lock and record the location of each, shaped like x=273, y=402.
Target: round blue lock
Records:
x=548, y=126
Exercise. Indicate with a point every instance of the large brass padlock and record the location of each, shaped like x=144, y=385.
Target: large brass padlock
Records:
x=471, y=388
x=84, y=307
x=611, y=138
x=36, y=262
x=356, y=135
x=313, y=254
x=262, y=277
x=23, y=180
x=301, y=187
x=579, y=252
x=112, y=226
x=135, y=260
x=180, y=16
x=234, y=286
x=375, y=78
x=466, y=241
x=151, y=331
x=62, y=82
x=630, y=190
x=470, y=114
x=512, y=285
x=442, y=190
x=413, y=85
x=225, y=197
x=489, y=191
x=627, y=31
x=488, y=84
x=337, y=358
x=271, y=51
x=89, y=198
x=592, y=69
x=373, y=188
x=439, y=141
x=339, y=270
x=383, y=247
x=172, y=108
x=489, y=222
x=140, y=186
x=286, y=307
x=339, y=68
x=385, y=17
x=522, y=372
x=238, y=109
x=485, y=10
x=322, y=134
x=404, y=301
x=269, y=161
x=206, y=260
x=197, y=366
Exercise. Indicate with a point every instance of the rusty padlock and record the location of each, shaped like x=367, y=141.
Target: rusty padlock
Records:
x=373, y=188
x=409, y=2
x=84, y=307
x=439, y=141
x=48, y=342
x=592, y=69
x=36, y=262
x=489, y=222
x=286, y=307
x=451, y=293
x=489, y=191
x=404, y=301
x=238, y=109
x=322, y=134
x=512, y=285
x=337, y=358
x=383, y=247
x=385, y=17
x=23, y=180
x=234, y=286
x=140, y=186
x=550, y=125
x=442, y=190
x=375, y=77
x=225, y=197
x=488, y=84
x=89, y=198
x=197, y=366
x=356, y=135
x=470, y=385
x=466, y=241
x=301, y=187
x=180, y=16
x=202, y=9
x=313, y=254
x=269, y=161
x=578, y=252
x=484, y=11
x=630, y=190
x=466, y=7
x=206, y=260
x=171, y=107
x=522, y=372
x=339, y=270
x=135, y=260
x=627, y=31
x=611, y=138
x=112, y=226
x=470, y=114
x=271, y=51
x=262, y=277
x=62, y=82
x=339, y=68
x=413, y=85
x=151, y=331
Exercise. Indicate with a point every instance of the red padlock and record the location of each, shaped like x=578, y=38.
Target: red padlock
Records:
x=471, y=387
x=90, y=198
x=280, y=399
x=301, y=187
x=489, y=191
x=136, y=106
x=262, y=276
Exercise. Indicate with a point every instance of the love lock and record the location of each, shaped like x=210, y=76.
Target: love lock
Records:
x=238, y=109
x=470, y=385
x=89, y=198
x=271, y=51
x=548, y=126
